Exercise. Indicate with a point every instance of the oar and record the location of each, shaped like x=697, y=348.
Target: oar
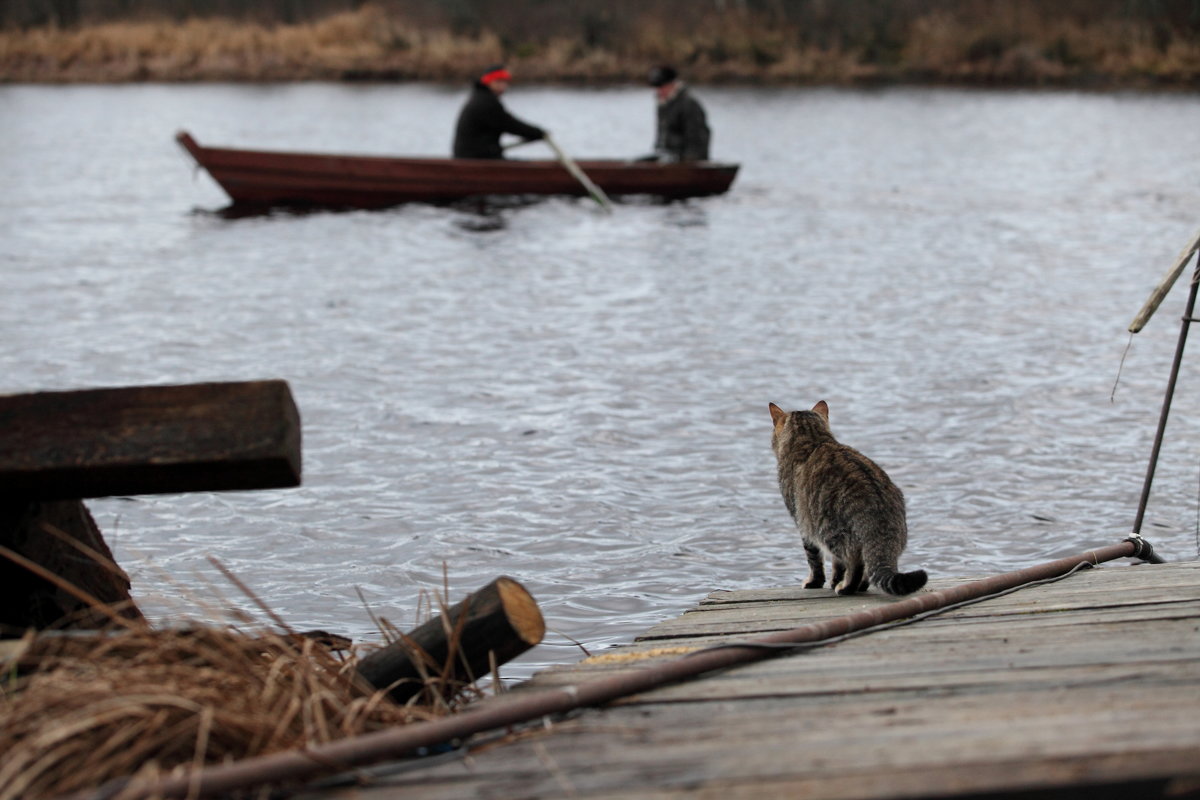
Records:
x=1164, y=286
x=595, y=191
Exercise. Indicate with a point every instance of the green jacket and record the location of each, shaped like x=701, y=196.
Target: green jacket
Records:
x=683, y=133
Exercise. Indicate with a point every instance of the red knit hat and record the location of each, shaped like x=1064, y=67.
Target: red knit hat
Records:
x=497, y=73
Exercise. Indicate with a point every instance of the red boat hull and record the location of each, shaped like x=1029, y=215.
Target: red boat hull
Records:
x=267, y=178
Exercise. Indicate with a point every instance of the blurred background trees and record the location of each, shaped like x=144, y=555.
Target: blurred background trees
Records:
x=530, y=19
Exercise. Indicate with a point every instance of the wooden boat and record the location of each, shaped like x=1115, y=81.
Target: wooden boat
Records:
x=273, y=178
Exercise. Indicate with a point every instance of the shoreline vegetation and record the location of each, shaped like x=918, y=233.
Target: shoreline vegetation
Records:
x=1071, y=43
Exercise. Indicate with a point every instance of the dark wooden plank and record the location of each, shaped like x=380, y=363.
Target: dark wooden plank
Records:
x=84, y=588
x=148, y=440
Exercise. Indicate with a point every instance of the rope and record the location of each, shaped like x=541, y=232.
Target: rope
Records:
x=1112, y=397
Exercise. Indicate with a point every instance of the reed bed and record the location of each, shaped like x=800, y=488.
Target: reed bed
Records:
x=976, y=41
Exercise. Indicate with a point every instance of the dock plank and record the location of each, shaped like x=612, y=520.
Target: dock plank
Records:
x=698, y=625
x=1071, y=689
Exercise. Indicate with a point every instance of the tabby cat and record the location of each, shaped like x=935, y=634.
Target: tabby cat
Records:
x=844, y=505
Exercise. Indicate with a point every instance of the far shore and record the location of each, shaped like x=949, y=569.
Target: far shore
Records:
x=371, y=45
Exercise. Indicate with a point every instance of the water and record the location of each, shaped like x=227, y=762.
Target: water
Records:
x=580, y=401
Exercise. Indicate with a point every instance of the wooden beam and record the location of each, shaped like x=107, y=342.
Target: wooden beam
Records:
x=58, y=538
x=149, y=440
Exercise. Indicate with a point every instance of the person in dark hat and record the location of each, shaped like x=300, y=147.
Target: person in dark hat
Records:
x=484, y=118
x=683, y=133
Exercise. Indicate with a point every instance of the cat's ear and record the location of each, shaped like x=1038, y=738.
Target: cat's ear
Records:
x=778, y=415
x=822, y=409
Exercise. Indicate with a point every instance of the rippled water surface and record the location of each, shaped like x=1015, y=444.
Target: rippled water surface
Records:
x=580, y=401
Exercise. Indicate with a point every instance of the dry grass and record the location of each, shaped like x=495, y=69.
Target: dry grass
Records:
x=972, y=42
x=218, y=49
x=140, y=703
x=131, y=703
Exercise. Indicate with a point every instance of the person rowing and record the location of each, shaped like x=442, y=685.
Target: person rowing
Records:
x=484, y=119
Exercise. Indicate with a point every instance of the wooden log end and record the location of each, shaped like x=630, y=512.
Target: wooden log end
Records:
x=522, y=611
x=487, y=628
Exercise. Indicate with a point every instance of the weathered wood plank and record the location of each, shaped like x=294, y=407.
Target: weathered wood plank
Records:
x=755, y=612
x=628, y=755
x=838, y=690
x=902, y=653
x=1181, y=573
x=697, y=625
x=866, y=737
x=1060, y=596
x=150, y=439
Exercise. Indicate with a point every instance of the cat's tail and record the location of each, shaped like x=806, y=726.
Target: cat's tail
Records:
x=893, y=582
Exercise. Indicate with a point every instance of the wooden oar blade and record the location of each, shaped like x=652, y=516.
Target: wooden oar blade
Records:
x=595, y=191
x=1164, y=286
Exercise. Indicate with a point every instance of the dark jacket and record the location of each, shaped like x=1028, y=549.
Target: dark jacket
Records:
x=682, y=128
x=481, y=122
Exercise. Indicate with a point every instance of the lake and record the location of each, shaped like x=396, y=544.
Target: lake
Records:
x=579, y=401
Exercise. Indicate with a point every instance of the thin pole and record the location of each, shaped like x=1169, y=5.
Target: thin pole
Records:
x=1166, y=406
x=298, y=765
x=595, y=191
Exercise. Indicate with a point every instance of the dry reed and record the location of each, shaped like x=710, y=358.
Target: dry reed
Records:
x=1021, y=42
x=140, y=703
x=136, y=704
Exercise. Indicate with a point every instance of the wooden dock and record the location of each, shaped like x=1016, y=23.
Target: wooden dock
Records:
x=1084, y=688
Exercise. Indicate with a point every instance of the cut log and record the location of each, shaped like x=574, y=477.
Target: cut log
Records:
x=492, y=626
x=149, y=440
x=61, y=538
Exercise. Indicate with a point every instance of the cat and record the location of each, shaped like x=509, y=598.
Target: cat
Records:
x=844, y=505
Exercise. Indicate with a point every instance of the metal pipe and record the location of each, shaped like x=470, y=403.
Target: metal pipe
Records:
x=1166, y=406
x=294, y=765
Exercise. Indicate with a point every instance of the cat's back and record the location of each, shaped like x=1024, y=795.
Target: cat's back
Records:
x=848, y=472
x=813, y=463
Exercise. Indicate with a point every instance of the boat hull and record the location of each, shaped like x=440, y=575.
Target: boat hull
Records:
x=273, y=178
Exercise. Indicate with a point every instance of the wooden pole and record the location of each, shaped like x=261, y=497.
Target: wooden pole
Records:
x=1164, y=286
x=595, y=191
x=494, y=625
x=1184, y=327
x=56, y=569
